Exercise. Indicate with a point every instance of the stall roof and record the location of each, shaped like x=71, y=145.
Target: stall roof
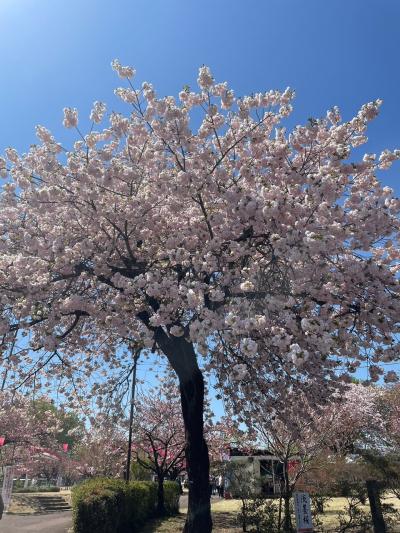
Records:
x=237, y=452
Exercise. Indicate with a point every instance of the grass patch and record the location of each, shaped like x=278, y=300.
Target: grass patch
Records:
x=335, y=505
x=224, y=513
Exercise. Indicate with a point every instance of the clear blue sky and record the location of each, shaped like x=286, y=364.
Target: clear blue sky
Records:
x=56, y=53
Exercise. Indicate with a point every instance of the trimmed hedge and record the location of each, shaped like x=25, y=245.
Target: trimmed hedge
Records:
x=35, y=488
x=105, y=505
x=172, y=493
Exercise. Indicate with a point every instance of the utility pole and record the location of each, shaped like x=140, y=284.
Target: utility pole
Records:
x=9, y=355
x=136, y=355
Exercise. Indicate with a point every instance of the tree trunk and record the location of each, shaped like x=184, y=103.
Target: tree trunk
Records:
x=287, y=519
x=376, y=508
x=244, y=516
x=160, y=496
x=182, y=357
x=280, y=510
x=198, y=518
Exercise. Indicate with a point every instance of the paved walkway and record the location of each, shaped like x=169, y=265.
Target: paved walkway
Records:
x=183, y=502
x=46, y=523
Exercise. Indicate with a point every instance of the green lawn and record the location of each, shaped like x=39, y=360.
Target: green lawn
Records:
x=225, y=511
x=224, y=514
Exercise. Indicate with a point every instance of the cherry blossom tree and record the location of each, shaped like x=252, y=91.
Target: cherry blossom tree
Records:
x=294, y=439
x=70, y=424
x=30, y=433
x=266, y=253
x=353, y=421
x=159, y=436
x=23, y=423
x=380, y=447
x=388, y=406
x=224, y=434
x=304, y=433
x=102, y=449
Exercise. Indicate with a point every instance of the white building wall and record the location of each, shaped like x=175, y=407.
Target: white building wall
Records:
x=251, y=464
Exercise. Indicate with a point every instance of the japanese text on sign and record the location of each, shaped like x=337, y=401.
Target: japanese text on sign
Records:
x=8, y=479
x=302, y=509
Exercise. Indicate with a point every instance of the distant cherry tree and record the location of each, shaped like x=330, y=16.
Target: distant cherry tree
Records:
x=102, y=449
x=381, y=446
x=388, y=406
x=159, y=436
x=29, y=433
x=200, y=228
x=305, y=434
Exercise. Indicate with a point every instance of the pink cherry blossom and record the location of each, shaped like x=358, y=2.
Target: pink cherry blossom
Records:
x=151, y=218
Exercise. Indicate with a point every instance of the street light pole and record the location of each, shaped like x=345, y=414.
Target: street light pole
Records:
x=136, y=355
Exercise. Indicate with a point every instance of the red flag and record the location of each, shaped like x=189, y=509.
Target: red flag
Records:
x=292, y=466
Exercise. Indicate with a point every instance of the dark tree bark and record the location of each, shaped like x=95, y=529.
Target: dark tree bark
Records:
x=182, y=357
x=160, y=496
x=287, y=494
x=199, y=514
x=376, y=508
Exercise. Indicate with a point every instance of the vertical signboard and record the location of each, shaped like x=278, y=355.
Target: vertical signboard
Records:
x=302, y=509
x=8, y=480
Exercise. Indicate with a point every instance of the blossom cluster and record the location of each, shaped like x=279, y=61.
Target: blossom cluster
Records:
x=273, y=254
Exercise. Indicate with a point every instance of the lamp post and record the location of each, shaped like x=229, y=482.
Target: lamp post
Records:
x=136, y=355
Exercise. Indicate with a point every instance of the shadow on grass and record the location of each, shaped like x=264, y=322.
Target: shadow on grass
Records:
x=223, y=521
x=172, y=524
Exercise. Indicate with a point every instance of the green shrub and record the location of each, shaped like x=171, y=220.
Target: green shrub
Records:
x=114, y=506
x=140, y=473
x=142, y=501
x=258, y=515
x=35, y=488
x=96, y=505
x=172, y=493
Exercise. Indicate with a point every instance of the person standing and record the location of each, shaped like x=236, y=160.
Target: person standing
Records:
x=220, y=486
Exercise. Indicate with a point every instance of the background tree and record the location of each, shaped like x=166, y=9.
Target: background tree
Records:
x=30, y=430
x=266, y=253
x=380, y=448
x=102, y=450
x=71, y=426
x=159, y=435
x=305, y=434
x=222, y=437
x=353, y=421
x=388, y=405
x=224, y=434
x=295, y=440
